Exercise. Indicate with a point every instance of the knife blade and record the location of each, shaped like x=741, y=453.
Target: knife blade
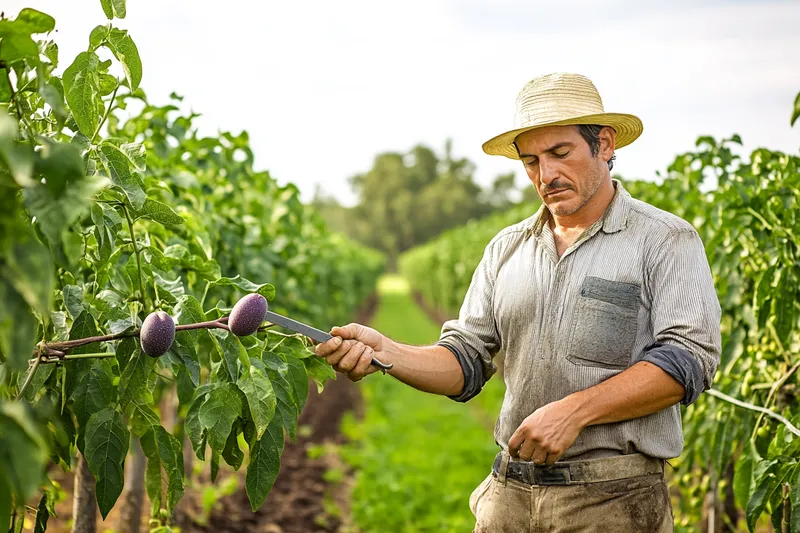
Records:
x=312, y=333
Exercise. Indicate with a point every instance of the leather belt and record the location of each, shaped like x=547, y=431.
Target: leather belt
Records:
x=575, y=472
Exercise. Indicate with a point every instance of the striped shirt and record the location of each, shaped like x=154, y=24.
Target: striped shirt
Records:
x=634, y=286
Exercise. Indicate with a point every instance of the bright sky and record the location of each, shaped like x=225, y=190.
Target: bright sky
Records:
x=322, y=86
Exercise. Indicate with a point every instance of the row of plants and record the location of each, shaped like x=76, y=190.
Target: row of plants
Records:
x=742, y=443
x=441, y=269
x=114, y=209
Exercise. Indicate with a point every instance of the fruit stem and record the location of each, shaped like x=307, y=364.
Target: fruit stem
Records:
x=138, y=259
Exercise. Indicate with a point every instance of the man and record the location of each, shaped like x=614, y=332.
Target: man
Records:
x=606, y=311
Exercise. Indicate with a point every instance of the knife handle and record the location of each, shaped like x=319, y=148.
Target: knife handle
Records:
x=383, y=366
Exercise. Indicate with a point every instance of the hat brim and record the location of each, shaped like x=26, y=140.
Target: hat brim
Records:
x=628, y=128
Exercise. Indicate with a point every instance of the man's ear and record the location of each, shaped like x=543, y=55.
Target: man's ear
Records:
x=608, y=141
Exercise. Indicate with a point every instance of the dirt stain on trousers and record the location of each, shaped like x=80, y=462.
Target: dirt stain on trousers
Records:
x=633, y=505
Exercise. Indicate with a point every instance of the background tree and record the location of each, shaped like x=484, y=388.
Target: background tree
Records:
x=405, y=199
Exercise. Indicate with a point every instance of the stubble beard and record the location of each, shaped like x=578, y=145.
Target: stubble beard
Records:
x=586, y=194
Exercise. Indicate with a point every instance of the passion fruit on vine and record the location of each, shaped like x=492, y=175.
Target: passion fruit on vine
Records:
x=248, y=314
x=157, y=334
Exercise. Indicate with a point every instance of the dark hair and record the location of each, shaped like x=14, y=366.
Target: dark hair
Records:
x=591, y=134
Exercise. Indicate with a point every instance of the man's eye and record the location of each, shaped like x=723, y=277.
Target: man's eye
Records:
x=531, y=163
x=561, y=156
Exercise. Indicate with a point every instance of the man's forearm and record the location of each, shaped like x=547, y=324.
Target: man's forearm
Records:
x=427, y=368
x=641, y=390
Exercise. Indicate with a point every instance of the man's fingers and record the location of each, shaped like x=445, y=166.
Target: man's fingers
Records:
x=350, y=331
x=349, y=360
x=514, y=443
x=336, y=356
x=326, y=348
x=362, y=368
x=526, y=452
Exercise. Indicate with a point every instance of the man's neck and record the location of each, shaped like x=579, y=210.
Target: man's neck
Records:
x=588, y=214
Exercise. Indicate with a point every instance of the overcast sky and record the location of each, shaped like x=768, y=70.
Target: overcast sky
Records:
x=323, y=86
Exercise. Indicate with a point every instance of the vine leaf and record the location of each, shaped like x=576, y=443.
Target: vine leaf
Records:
x=113, y=8
x=123, y=48
x=82, y=87
x=163, y=450
x=218, y=413
x=265, y=462
x=105, y=450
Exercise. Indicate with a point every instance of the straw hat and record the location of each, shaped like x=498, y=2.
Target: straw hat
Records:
x=562, y=99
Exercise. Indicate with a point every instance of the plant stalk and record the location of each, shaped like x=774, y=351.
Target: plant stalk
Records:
x=105, y=115
x=722, y=396
x=138, y=257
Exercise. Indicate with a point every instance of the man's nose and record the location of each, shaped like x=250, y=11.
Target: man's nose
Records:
x=547, y=173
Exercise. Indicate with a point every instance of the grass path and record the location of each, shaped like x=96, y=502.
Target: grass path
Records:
x=417, y=456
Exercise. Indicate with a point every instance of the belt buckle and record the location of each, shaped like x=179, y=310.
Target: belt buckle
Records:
x=551, y=475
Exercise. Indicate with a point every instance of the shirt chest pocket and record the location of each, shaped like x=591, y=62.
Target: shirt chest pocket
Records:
x=605, y=323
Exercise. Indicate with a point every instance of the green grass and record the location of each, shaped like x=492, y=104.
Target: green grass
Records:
x=417, y=456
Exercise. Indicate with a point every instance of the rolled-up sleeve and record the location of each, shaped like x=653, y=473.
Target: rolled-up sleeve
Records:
x=473, y=337
x=684, y=312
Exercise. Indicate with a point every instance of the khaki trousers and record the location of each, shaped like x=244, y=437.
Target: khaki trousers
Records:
x=633, y=505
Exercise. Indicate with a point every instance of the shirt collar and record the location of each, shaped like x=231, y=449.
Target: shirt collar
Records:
x=615, y=217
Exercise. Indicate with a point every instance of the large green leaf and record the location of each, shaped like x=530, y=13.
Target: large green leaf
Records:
x=298, y=377
x=82, y=327
x=95, y=392
x=218, y=413
x=42, y=514
x=795, y=114
x=187, y=311
x=230, y=349
x=286, y=403
x=33, y=21
x=106, y=445
x=141, y=414
x=232, y=454
x=23, y=450
x=265, y=462
x=17, y=327
x=264, y=289
x=118, y=167
x=60, y=164
x=198, y=435
x=113, y=8
x=743, y=478
x=761, y=496
x=123, y=48
x=14, y=156
x=134, y=377
x=259, y=393
x=29, y=268
x=73, y=300
x=163, y=449
x=182, y=352
x=319, y=371
x=81, y=85
x=159, y=212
